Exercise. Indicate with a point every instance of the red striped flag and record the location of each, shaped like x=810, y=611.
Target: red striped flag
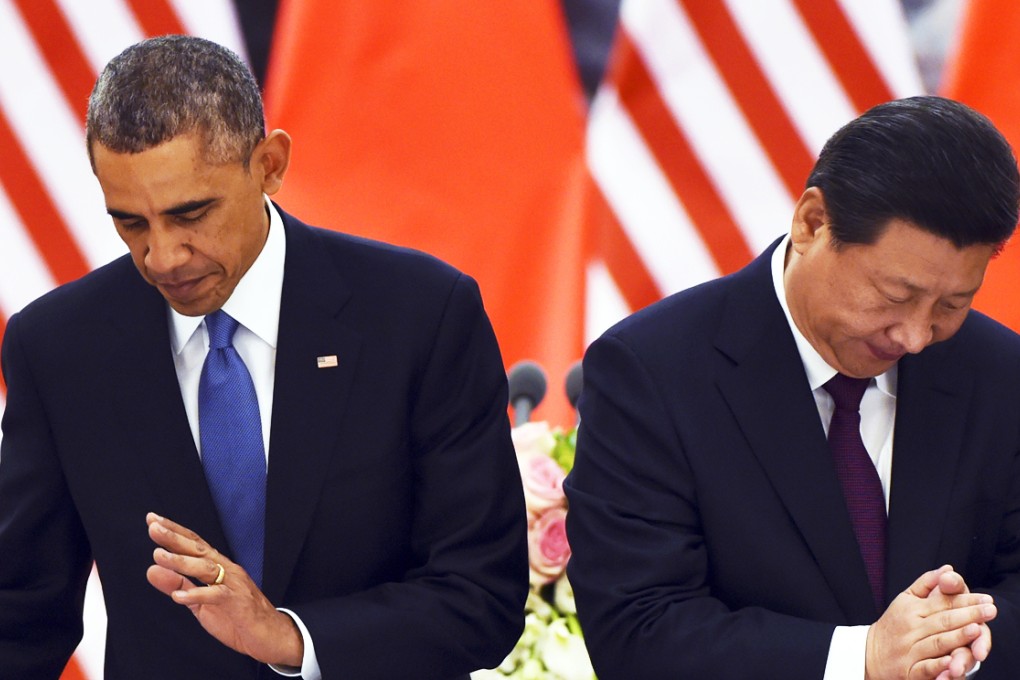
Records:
x=707, y=124
x=53, y=226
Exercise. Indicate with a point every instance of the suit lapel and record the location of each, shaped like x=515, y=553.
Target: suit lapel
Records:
x=768, y=392
x=932, y=397
x=308, y=400
x=149, y=404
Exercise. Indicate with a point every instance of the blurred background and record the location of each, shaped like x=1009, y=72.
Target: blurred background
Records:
x=579, y=158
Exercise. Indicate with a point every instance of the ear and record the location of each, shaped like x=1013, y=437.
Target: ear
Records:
x=270, y=160
x=810, y=219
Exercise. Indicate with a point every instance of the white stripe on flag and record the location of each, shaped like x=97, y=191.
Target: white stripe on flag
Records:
x=648, y=211
x=216, y=21
x=604, y=304
x=23, y=274
x=53, y=138
x=882, y=28
x=103, y=28
x=799, y=74
x=697, y=96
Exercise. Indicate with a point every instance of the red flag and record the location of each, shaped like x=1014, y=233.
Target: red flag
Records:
x=455, y=127
x=980, y=75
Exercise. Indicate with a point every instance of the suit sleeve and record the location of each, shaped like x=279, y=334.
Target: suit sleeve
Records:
x=461, y=607
x=1004, y=585
x=44, y=555
x=640, y=565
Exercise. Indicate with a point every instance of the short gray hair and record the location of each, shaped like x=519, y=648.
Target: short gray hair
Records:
x=173, y=85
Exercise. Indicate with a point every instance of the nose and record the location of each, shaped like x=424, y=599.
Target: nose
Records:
x=166, y=250
x=914, y=332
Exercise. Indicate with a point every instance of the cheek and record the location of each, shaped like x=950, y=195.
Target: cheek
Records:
x=866, y=321
x=946, y=327
x=136, y=245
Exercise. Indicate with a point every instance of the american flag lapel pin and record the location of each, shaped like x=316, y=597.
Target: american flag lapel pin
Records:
x=328, y=361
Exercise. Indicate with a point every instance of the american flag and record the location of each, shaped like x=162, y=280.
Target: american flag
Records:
x=53, y=223
x=698, y=141
x=707, y=124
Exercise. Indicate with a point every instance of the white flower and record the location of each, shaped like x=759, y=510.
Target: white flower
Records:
x=534, y=629
x=530, y=670
x=538, y=606
x=534, y=438
x=563, y=595
x=564, y=653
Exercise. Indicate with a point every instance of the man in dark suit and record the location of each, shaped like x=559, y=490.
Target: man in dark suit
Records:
x=718, y=533
x=384, y=503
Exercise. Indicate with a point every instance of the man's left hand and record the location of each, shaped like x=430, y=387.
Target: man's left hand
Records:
x=234, y=611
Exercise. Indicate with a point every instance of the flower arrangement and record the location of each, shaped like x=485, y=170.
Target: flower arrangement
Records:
x=551, y=647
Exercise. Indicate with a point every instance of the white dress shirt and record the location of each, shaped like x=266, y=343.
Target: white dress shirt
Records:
x=255, y=305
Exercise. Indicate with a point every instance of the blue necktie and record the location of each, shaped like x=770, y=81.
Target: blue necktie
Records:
x=232, y=449
x=862, y=487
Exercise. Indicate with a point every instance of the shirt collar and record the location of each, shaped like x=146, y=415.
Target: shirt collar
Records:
x=255, y=302
x=818, y=370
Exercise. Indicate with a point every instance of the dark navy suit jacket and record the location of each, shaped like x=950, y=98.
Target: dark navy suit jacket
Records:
x=395, y=524
x=709, y=531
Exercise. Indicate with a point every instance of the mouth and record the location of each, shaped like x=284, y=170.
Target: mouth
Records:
x=883, y=355
x=180, y=291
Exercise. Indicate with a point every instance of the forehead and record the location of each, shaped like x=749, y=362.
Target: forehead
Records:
x=908, y=255
x=161, y=175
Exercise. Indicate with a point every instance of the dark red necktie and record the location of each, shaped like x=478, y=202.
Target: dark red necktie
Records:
x=862, y=487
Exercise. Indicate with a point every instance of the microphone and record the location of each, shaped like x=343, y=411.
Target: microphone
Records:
x=527, y=385
x=574, y=382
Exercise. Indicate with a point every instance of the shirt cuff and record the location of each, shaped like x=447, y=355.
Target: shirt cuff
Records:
x=309, y=663
x=847, y=651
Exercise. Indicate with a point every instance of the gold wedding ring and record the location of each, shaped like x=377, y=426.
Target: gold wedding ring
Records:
x=219, y=576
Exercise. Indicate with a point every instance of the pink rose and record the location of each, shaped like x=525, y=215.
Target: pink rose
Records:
x=548, y=550
x=543, y=483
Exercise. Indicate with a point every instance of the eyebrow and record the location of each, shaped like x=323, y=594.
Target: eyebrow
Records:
x=179, y=209
x=918, y=289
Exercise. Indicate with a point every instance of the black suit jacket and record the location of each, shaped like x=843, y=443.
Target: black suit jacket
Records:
x=395, y=524
x=709, y=533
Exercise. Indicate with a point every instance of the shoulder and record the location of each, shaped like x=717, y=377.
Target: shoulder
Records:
x=693, y=317
x=983, y=345
x=107, y=288
x=382, y=265
x=386, y=287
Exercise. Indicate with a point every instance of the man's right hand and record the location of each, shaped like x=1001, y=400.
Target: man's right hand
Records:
x=936, y=628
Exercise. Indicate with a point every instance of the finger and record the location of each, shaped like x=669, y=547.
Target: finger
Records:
x=952, y=583
x=927, y=581
x=941, y=645
x=958, y=617
x=152, y=518
x=961, y=662
x=982, y=646
x=937, y=603
x=179, y=540
x=204, y=570
x=930, y=668
x=165, y=580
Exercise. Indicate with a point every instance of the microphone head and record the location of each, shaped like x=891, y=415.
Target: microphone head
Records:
x=526, y=380
x=575, y=380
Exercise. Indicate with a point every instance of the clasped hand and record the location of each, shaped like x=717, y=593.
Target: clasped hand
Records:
x=936, y=629
x=232, y=609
